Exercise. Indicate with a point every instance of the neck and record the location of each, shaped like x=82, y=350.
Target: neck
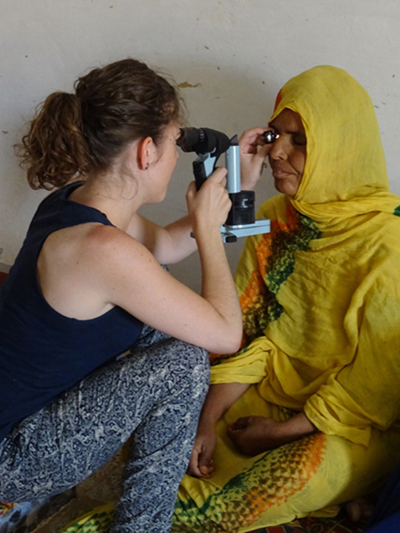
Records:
x=117, y=198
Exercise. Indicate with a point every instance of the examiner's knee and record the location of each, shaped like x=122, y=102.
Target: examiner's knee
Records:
x=197, y=367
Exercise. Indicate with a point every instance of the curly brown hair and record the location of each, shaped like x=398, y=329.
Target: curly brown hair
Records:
x=74, y=134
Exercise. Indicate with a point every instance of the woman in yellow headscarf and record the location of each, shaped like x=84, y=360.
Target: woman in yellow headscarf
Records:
x=305, y=416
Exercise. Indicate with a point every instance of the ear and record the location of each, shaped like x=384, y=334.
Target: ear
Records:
x=145, y=153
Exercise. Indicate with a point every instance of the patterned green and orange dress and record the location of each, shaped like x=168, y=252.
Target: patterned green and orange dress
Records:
x=320, y=297
x=310, y=476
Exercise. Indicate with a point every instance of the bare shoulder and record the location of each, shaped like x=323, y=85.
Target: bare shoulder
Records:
x=112, y=248
x=79, y=266
x=89, y=243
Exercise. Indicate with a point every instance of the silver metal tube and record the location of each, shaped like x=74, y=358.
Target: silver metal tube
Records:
x=233, y=168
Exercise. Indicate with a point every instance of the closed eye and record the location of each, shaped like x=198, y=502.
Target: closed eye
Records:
x=299, y=140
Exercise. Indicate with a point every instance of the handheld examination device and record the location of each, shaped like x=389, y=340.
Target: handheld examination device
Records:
x=209, y=145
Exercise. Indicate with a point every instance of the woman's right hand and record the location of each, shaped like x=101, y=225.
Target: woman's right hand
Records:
x=209, y=206
x=201, y=464
x=253, y=152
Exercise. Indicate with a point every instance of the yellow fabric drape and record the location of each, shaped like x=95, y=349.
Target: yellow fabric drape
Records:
x=334, y=349
x=320, y=298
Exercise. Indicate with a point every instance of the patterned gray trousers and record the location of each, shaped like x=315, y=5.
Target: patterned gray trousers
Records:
x=155, y=393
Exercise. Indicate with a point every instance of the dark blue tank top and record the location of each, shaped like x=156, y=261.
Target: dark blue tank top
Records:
x=43, y=353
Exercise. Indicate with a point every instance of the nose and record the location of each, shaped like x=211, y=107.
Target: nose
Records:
x=280, y=148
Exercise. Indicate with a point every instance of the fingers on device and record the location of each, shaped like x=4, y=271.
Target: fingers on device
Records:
x=209, y=145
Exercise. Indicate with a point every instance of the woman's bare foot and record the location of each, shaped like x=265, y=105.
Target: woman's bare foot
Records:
x=360, y=509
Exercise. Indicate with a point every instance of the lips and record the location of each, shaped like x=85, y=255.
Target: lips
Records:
x=281, y=173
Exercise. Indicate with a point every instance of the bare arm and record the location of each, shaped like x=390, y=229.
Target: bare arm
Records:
x=218, y=287
x=251, y=435
x=219, y=399
x=169, y=244
x=136, y=282
x=256, y=434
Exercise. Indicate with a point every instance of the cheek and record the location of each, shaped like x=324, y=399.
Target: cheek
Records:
x=299, y=162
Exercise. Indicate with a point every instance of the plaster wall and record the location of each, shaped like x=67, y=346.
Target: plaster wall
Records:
x=230, y=58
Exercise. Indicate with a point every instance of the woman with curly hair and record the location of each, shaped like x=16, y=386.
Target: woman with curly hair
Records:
x=88, y=287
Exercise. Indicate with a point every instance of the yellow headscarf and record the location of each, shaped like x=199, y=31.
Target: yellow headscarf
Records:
x=345, y=172
x=320, y=294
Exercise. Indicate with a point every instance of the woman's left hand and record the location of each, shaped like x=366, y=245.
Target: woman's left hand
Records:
x=253, y=152
x=256, y=434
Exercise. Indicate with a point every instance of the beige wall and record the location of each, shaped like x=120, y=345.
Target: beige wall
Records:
x=230, y=56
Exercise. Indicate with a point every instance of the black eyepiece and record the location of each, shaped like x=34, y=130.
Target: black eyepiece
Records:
x=269, y=136
x=203, y=141
x=189, y=138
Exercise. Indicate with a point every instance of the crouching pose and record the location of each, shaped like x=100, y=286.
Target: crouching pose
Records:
x=88, y=286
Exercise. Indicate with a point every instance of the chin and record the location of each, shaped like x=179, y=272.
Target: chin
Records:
x=285, y=188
